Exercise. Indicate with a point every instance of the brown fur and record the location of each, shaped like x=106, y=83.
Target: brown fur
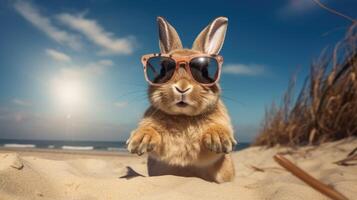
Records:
x=187, y=141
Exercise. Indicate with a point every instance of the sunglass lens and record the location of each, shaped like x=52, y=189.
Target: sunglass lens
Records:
x=204, y=69
x=160, y=69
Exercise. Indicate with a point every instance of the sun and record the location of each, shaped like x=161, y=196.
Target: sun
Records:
x=70, y=95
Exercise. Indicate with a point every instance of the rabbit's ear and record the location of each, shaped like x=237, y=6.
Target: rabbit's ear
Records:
x=169, y=39
x=211, y=39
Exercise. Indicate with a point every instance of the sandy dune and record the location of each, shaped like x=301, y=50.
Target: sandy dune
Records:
x=45, y=174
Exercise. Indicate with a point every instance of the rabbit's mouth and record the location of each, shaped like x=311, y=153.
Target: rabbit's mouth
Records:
x=182, y=104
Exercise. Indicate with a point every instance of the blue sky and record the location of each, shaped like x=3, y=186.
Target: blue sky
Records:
x=71, y=69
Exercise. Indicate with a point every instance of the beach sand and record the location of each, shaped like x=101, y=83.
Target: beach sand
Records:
x=85, y=175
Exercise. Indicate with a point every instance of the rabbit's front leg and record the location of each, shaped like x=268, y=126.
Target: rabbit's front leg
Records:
x=143, y=139
x=219, y=139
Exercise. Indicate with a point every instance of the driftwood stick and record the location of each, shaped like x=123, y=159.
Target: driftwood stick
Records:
x=352, y=156
x=352, y=152
x=308, y=179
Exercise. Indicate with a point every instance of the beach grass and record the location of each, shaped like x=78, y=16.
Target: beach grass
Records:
x=326, y=106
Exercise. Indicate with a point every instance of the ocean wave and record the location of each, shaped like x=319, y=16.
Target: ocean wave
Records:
x=78, y=147
x=20, y=145
x=116, y=149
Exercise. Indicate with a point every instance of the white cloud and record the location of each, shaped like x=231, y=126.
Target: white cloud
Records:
x=96, y=33
x=21, y=102
x=90, y=28
x=88, y=70
x=32, y=14
x=120, y=104
x=58, y=56
x=298, y=7
x=242, y=69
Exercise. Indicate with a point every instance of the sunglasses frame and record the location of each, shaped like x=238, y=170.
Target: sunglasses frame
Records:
x=182, y=60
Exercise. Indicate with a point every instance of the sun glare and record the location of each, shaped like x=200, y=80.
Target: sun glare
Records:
x=69, y=94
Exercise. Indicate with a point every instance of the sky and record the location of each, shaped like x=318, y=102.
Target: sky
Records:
x=71, y=70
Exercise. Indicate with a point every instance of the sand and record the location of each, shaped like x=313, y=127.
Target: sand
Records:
x=57, y=174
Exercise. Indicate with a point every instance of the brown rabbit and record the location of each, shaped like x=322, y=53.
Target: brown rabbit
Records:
x=186, y=131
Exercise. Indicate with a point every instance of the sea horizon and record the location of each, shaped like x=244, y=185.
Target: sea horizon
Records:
x=119, y=146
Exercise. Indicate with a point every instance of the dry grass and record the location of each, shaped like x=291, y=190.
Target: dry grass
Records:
x=326, y=107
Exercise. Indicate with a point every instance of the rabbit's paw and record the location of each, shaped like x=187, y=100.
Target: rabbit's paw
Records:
x=218, y=139
x=143, y=140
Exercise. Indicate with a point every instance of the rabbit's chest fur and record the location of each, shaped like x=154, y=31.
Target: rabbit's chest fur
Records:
x=182, y=140
x=181, y=145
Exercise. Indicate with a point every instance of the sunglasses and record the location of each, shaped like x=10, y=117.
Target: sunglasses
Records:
x=160, y=68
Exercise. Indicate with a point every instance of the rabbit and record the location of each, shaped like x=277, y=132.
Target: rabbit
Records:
x=194, y=140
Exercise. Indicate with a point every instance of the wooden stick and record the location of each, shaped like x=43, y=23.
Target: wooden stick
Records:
x=352, y=156
x=308, y=179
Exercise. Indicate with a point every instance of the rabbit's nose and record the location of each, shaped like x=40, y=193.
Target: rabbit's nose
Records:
x=182, y=90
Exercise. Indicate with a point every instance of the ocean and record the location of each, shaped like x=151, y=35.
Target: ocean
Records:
x=77, y=145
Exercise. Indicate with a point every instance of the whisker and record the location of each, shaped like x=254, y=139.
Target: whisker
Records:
x=233, y=100
x=133, y=92
x=130, y=102
x=154, y=112
x=229, y=89
x=132, y=83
